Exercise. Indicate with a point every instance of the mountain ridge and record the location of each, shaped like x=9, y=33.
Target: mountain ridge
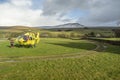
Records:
x=67, y=25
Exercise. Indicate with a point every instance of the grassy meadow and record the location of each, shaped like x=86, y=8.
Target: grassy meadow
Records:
x=60, y=59
x=63, y=56
x=97, y=66
x=47, y=46
x=113, y=39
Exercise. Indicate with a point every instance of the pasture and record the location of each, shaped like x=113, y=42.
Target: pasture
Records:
x=47, y=46
x=113, y=39
x=60, y=59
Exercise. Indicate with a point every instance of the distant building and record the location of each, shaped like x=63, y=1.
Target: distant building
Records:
x=98, y=35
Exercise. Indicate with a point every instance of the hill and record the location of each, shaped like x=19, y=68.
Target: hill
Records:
x=68, y=25
x=17, y=29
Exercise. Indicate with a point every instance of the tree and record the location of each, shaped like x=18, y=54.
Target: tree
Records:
x=117, y=32
x=92, y=34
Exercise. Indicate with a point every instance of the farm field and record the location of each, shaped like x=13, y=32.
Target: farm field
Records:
x=60, y=59
x=113, y=39
x=47, y=46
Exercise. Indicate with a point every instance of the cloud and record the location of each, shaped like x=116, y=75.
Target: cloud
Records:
x=54, y=12
x=20, y=12
x=99, y=11
x=20, y=3
x=54, y=7
x=105, y=12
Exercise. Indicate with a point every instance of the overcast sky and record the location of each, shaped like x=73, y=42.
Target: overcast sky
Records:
x=55, y=12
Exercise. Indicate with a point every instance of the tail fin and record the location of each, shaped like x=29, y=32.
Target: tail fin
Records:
x=37, y=37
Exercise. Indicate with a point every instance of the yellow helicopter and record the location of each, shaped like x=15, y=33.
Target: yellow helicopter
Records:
x=29, y=39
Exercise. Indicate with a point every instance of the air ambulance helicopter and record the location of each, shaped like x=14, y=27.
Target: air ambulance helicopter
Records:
x=29, y=39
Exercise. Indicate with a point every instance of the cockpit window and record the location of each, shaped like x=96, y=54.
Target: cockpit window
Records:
x=25, y=37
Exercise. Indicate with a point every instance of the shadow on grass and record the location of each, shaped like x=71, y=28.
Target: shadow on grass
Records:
x=104, y=47
x=21, y=46
x=113, y=49
x=89, y=46
x=77, y=45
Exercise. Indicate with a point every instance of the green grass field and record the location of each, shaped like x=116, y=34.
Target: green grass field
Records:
x=60, y=59
x=47, y=46
x=113, y=39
